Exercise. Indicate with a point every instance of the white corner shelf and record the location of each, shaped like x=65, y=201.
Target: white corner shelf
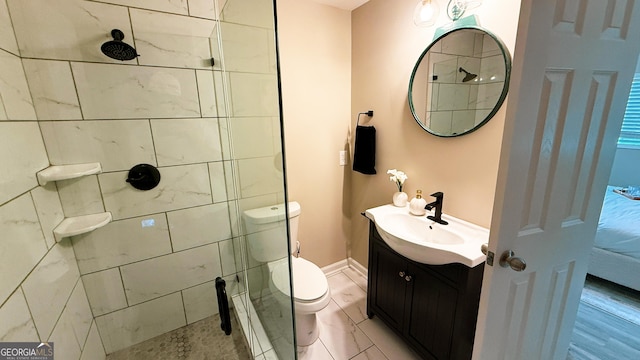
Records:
x=65, y=172
x=80, y=225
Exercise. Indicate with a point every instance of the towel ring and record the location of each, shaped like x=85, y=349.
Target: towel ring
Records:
x=368, y=113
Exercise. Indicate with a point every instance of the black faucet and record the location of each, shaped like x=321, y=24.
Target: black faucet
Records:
x=438, y=205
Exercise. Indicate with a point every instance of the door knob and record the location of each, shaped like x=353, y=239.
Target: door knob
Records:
x=485, y=250
x=407, y=278
x=509, y=260
x=401, y=274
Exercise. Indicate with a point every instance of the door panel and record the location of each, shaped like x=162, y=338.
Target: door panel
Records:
x=573, y=65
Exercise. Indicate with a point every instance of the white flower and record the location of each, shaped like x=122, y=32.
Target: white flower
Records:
x=398, y=177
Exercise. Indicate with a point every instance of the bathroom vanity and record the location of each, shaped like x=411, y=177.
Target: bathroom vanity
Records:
x=432, y=307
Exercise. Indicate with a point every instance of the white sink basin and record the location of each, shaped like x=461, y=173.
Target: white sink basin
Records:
x=426, y=241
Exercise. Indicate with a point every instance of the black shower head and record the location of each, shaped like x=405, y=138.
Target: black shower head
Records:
x=118, y=49
x=469, y=76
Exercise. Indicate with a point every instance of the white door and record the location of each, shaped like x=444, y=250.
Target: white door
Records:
x=573, y=65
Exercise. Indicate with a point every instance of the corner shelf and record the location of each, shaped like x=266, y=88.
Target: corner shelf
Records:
x=80, y=225
x=65, y=172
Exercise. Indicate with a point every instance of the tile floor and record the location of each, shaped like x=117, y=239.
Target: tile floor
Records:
x=345, y=330
x=347, y=333
x=200, y=340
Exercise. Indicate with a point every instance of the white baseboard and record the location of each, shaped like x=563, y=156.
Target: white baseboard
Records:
x=335, y=267
x=343, y=264
x=357, y=267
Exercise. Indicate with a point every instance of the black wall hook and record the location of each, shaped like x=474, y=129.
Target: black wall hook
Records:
x=143, y=177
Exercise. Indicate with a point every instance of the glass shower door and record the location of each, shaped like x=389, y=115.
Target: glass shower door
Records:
x=247, y=47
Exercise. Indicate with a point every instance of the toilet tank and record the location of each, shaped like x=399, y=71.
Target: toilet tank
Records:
x=266, y=231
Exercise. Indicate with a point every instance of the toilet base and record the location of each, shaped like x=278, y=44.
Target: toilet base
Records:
x=307, y=331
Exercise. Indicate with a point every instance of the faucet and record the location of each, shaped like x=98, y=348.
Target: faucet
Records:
x=438, y=205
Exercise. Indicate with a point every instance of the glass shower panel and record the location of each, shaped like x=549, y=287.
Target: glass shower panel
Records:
x=248, y=51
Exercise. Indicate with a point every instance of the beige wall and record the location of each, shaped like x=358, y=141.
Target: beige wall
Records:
x=385, y=47
x=315, y=59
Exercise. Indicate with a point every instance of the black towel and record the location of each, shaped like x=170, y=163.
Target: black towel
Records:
x=364, y=155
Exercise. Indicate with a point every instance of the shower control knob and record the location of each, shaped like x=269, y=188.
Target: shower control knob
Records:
x=143, y=177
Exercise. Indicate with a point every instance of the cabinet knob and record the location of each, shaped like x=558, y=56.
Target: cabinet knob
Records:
x=407, y=278
x=401, y=273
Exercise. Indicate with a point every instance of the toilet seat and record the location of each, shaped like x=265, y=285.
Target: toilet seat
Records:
x=309, y=282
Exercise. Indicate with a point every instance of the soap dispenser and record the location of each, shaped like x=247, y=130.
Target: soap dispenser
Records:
x=417, y=204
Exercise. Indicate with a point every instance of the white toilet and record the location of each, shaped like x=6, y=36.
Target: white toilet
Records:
x=265, y=233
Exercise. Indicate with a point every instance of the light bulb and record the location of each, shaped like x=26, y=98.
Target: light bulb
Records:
x=425, y=13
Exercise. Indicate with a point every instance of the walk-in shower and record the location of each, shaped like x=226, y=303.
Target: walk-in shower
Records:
x=140, y=282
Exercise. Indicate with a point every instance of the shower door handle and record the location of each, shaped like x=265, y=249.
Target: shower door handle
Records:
x=223, y=306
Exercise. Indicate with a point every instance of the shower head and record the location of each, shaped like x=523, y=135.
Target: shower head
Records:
x=469, y=76
x=118, y=49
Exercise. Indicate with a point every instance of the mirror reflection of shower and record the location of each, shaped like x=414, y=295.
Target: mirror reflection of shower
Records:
x=469, y=76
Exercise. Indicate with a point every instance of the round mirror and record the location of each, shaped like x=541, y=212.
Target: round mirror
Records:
x=459, y=81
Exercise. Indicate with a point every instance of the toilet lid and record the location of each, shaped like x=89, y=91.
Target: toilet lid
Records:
x=309, y=282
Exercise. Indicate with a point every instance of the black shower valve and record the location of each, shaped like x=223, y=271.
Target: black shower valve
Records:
x=143, y=177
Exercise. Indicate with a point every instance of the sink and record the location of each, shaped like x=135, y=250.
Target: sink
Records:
x=426, y=241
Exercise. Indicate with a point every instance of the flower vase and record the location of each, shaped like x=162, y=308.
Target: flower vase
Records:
x=400, y=199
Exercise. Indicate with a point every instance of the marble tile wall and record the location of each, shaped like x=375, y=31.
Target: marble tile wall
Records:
x=7, y=36
x=172, y=40
x=14, y=91
x=66, y=30
x=41, y=295
x=129, y=91
x=152, y=269
x=22, y=156
x=135, y=324
x=53, y=90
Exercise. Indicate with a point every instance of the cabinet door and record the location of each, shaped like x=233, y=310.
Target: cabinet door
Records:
x=388, y=293
x=431, y=313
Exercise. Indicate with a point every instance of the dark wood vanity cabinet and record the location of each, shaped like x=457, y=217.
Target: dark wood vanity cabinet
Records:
x=434, y=308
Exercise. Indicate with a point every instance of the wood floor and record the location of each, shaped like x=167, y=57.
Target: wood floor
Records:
x=608, y=323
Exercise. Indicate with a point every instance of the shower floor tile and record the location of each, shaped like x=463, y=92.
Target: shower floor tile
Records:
x=202, y=340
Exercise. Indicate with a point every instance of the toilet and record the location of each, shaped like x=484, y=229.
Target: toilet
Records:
x=265, y=230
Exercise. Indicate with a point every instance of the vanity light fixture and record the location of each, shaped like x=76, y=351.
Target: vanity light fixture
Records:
x=457, y=8
x=426, y=13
